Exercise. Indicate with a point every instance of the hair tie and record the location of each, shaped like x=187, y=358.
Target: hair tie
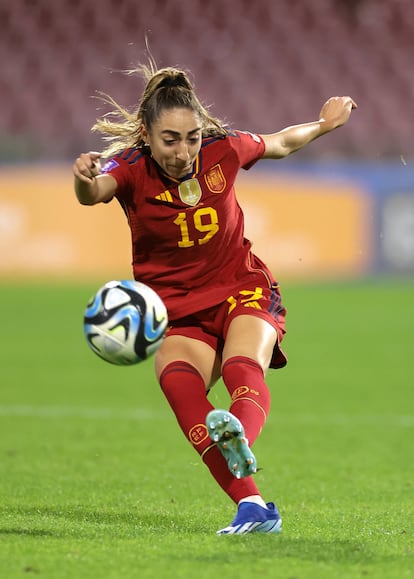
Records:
x=171, y=81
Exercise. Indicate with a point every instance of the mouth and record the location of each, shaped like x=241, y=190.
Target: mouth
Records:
x=185, y=165
x=181, y=169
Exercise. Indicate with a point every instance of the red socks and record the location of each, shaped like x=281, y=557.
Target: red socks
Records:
x=244, y=380
x=186, y=393
x=236, y=488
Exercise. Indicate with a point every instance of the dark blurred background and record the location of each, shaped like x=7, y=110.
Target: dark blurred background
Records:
x=261, y=65
x=341, y=207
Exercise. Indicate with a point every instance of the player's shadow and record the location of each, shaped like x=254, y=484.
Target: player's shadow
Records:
x=64, y=522
x=22, y=531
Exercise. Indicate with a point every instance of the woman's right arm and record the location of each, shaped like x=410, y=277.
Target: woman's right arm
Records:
x=334, y=113
x=90, y=186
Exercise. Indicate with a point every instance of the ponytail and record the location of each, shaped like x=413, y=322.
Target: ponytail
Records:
x=165, y=89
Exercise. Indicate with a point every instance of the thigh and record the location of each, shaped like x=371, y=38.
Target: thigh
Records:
x=195, y=352
x=250, y=336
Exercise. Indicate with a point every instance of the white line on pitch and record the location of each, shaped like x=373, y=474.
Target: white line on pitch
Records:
x=386, y=420
x=83, y=412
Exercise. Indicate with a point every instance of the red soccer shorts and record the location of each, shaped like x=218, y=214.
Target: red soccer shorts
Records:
x=211, y=325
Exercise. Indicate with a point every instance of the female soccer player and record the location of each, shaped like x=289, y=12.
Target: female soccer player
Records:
x=172, y=167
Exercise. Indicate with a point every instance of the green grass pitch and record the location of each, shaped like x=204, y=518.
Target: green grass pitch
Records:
x=97, y=481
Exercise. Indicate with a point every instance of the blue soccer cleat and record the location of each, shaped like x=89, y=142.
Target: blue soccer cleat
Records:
x=228, y=433
x=252, y=518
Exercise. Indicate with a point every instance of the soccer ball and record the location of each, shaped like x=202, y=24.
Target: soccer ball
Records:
x=125, y=322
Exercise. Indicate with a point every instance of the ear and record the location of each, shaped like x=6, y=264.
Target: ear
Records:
x=145, y=134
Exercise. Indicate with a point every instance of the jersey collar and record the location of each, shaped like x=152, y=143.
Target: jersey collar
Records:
x=193, y=173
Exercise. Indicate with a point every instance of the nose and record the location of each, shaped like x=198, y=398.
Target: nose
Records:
x=182, y=152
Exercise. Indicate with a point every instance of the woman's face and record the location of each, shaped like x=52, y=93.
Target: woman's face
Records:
x=175, y=141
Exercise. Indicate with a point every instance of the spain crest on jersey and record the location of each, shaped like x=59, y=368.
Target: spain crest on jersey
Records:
x=215, y=179
x=190, y=191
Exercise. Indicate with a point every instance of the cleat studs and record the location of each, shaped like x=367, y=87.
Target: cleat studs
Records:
x=227, y=433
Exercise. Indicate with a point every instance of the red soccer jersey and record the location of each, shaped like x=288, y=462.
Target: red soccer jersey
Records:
x=187, y=235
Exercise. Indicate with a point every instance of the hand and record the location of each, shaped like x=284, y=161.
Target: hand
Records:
x=336, y=111
x=87, y=166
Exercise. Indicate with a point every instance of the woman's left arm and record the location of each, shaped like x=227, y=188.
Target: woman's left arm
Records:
x=334, y=113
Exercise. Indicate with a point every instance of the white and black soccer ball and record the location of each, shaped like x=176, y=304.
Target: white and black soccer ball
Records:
x=125, y=322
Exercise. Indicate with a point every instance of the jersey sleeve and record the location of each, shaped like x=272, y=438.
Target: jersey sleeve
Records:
x=248, y=146
x=120, y=169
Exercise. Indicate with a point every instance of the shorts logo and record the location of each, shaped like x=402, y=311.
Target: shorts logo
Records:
x=240, y=391
x=249, y=299
x=190, y=192
x=197, y=434
x=215, y=179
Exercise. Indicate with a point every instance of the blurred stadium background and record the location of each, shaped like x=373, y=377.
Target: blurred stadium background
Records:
x=344, y=207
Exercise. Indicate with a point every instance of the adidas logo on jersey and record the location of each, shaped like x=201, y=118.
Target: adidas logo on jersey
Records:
x=165, y=196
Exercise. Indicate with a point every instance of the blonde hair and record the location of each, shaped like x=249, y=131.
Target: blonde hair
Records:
x=165, y=89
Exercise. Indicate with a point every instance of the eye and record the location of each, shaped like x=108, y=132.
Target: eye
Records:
x=169, y=142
